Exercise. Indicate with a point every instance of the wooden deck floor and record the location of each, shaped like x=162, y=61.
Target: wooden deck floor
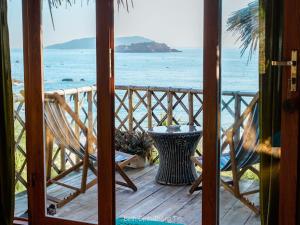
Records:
x=152, y=201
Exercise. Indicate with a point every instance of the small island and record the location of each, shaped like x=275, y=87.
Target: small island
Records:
x=131, y=44
x=145, y=47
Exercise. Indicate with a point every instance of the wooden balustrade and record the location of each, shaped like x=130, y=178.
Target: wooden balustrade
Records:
x=137, y=108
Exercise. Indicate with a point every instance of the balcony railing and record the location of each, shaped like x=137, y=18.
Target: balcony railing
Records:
x=137, y=108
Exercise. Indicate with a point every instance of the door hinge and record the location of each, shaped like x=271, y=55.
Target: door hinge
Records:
x=293, y=63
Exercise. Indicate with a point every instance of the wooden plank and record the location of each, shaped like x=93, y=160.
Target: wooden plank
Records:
x=21, y=204
x=227, y=200
x=90, y=118
x=238, y=212
x=175, y=206
x=134, y=174
x=170, y=108
x=152, y=201
x=149, y=108
x=191, y=108
x=130, y=109
x=125, y=198
x=87, y=210
x=73, y=179
x=190, y=213
x=62, y=221
x=237, y=115
x=211, y=111
x=146, y=186
x=254, y=219
x=82, y=207
x=71, y=91
x=168, y=208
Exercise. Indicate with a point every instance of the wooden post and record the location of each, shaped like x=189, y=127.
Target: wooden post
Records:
x=62, y=155
x=170, y=108
x=237, y=114
x=130, y=109
x=149, y=108
x=191, y=108
x=76, y=128
x=90, y=115
x=211, y=111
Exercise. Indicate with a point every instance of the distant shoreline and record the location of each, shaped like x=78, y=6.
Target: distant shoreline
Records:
x=131, y=44
x=179, y=48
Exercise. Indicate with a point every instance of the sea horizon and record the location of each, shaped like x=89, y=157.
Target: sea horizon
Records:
x=181, y=70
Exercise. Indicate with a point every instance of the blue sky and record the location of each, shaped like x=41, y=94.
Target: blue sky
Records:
x=179, y=23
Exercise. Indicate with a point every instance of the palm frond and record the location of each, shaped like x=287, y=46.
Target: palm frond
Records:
x=245, y=24
x=68, y=3
x=58, y=3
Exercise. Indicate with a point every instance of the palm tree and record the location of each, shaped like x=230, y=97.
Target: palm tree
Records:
x=245, y=24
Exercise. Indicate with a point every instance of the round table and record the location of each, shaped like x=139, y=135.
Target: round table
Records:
x=176, y=145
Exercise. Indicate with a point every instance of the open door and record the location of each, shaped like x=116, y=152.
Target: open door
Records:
x=42, y=115
x=283, y=47
x=34, y=98
x=290, y=120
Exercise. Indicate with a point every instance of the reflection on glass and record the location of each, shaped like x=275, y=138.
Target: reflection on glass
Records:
x=16, y=52
x=70, y=111
x=239, y=163
x=158, y=70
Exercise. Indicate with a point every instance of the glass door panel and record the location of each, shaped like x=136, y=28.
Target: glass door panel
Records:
x=69, y=61
x=158, y=106
x=17, y=66
x=239, y=161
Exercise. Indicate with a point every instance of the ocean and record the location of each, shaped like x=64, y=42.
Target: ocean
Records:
x=182, y=69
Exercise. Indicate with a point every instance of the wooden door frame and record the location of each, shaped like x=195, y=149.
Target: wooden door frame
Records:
x=290, y=121
x=34, y=98
x=34, y=110
x=33, y=72
x=211, y=111
x=105, y=110
x=105, y=91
